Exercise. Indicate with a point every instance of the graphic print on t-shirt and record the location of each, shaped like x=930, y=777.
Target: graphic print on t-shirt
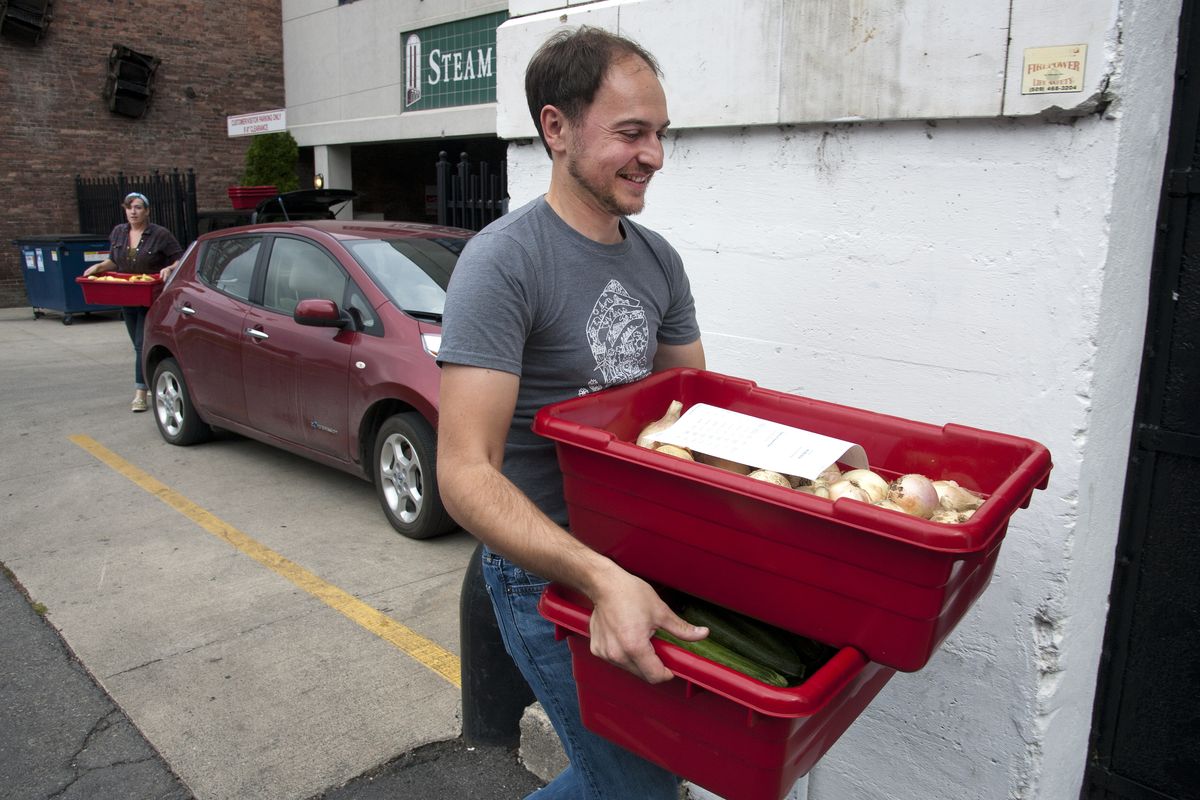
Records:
x=619, y=336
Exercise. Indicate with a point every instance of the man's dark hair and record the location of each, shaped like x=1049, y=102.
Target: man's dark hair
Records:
x=567, y=70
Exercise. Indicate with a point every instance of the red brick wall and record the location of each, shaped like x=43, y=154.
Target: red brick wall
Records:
x=217, y=59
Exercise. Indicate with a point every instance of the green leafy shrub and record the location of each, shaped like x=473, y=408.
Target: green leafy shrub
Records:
x=271, y=161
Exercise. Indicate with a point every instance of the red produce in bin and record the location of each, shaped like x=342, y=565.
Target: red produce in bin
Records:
x=120, y=292
x=722, y=730
x=843, y=572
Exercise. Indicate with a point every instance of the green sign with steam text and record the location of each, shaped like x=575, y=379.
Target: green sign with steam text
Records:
x=453, y=64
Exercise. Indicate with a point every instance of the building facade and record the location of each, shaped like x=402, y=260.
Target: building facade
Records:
x=379, y=89
x=214, y=60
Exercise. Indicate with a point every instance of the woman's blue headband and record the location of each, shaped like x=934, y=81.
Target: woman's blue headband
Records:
x=139, y=196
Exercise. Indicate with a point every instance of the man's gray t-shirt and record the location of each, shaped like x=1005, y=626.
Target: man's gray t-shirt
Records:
x=533, y=297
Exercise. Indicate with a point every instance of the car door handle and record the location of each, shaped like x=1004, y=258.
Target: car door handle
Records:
x=257, y=334
x=186, y=309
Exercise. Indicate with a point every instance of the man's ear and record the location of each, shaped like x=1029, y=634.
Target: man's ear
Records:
x=554, y=128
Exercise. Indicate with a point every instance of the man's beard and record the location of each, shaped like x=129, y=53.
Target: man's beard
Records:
x=603, y=196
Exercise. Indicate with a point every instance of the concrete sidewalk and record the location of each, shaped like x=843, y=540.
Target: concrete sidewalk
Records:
x=247, y=682
x=169, y=663
x=63, y=737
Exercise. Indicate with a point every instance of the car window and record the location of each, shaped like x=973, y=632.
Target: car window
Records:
x=228, y=264
x=358, y=306
x=299, y=270
x=414, y=273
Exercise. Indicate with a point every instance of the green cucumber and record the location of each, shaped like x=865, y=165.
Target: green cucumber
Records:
x=813, y=652
x=707, y=648
x=748, y=637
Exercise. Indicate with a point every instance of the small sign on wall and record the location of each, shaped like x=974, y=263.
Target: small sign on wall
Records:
x=260, y=122
x=1053, y=69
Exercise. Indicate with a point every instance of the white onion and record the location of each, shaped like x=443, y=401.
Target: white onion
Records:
x=819, y=489
x=830, y=474
x=870, y=482
x=678, y=452
x=915, y=494
x=951, y=517
x=646, y=437
x=845, y=488
x=953, y=497
x=767, y=476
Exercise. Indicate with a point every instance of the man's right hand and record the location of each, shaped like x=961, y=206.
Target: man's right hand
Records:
x=476, y=408
x=627, y=612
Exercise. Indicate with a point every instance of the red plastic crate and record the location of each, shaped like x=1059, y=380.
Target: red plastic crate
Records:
x=120, y=293
x=844, y=572
x=720, y=729
x=246, y=198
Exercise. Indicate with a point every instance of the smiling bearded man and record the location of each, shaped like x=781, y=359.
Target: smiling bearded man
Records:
x=562, y=297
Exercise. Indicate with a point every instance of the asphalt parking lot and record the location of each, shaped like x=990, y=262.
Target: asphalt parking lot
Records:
x=251, y=614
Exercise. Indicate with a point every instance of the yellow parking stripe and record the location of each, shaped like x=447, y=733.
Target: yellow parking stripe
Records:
x=427, y=652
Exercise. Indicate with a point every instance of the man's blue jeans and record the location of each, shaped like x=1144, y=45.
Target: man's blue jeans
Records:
x=599, y=770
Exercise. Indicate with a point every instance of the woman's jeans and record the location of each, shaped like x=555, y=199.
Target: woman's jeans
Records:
x=135, y=324
x=599, y=770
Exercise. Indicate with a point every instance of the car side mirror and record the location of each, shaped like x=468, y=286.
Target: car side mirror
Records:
x=321, y=313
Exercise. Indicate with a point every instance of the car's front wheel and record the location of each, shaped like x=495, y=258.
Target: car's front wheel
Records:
x=174, y=413
x=405, y=477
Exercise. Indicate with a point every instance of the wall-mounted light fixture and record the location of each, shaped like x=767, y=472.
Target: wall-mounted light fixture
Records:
x=318, y=181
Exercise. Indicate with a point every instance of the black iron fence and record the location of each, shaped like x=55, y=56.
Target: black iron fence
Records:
x=470, y=195
x=172, y=202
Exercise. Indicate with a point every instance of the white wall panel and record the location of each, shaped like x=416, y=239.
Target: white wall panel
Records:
x=311, y=63
x=884, y=59
x=292, y=9
x=791, y=62
x=721, y=58
x=521, y=7
x=516, y=41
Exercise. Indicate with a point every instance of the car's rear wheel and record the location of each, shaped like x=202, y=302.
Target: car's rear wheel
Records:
x=405, y=468
x=174, y=413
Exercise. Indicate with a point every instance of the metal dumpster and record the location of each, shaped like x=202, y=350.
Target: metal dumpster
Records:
x=52, y=263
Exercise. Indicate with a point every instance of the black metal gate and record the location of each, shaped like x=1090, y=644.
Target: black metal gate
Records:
x=172, y=202
x=470, y=197
x=1146, y=724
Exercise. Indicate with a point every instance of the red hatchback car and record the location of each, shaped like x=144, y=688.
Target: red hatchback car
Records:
x=316, y=337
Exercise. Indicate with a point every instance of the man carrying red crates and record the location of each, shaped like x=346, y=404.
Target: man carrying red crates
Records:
x=559, y=298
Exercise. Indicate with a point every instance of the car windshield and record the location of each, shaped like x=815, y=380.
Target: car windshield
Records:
x=414, y=273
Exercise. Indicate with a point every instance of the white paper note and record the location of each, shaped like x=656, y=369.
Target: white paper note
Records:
x=758, y=442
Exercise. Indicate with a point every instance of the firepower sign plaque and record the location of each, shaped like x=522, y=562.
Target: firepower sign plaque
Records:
x=453, y=64
x=1053, y=69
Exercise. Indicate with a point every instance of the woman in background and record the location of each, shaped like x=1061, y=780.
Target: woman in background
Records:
x=140, y=247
